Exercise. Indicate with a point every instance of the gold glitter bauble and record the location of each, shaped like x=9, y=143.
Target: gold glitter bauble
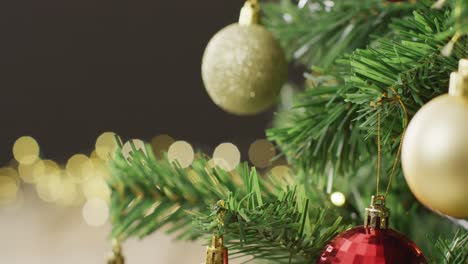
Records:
x=244, y=69
x=435, y=155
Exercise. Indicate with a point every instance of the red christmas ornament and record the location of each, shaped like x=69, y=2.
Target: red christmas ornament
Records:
x=372, y=243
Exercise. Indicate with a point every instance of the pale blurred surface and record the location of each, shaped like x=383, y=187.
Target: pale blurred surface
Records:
x=34, y=232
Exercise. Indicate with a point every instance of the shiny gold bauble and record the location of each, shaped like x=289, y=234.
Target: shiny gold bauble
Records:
x=435, y=155
x=244, y=69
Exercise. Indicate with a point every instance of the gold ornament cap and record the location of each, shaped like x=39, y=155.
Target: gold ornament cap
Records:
x=377, y=215
x=116, y=257
x=459, y=80
x=250, y=13
x=217, y=253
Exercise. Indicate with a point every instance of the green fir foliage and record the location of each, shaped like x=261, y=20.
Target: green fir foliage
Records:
x=365, y=58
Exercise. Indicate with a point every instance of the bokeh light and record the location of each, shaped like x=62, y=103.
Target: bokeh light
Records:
x=338, y=199
x=106, y=145
x=96, y=187
x=79, y=166
x=127, y=149
x=95, y=212
x=261, y=152
x=69, y=195
x=9, y=186
x=26, y=172
x=226, y=156
x=49, y=189
x=182, y=152
x=26, y=150
x=161, y=144
x=282, y=172
x=44, y=169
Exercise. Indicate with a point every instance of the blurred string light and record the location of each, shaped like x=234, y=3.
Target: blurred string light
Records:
x=81, y=181
x=26, y=150
x=161, y=144
x=261, y=152
x=127, y=148
x=106, y=145
x=9, y=186
x=226, y=156
x=181, y=152
x=281, y=171
x=95, y=212
x=338, y=199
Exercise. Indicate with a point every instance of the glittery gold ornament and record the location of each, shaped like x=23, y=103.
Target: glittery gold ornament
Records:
x=243, y=66
x=435, y=150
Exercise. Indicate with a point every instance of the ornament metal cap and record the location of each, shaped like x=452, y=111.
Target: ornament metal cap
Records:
x=217, y=253
x=377, y=215
x=116, y=257
x=459, y=80
x=250, y=13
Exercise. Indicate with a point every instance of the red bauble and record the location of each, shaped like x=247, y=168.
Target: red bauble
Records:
x=361, y=245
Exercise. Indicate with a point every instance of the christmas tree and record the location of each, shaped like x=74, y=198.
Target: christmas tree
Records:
x=369, y=67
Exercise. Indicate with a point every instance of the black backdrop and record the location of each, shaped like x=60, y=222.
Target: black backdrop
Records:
x=70, y=70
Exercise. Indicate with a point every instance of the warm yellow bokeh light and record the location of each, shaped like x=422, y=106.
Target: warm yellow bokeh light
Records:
x=44, y=169
x=261, y=152
x=50, y=188
x=96, y=187
x=338, y=199
x=95, y=212
x=182, y=152
x=8, y=189
x=26, y=150
x=79, y=166
x=127, y=149
x=70, y=194
x=9, y=172
x=227, y=156
x=106, y=145
x=282, y=172
x=26, y=172
x=161, y=144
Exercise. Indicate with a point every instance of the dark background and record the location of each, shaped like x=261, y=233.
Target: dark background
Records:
x=70, y=70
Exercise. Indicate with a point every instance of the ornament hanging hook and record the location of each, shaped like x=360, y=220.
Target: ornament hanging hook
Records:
x=250, y=13
x=459, y=80
x=379, y=143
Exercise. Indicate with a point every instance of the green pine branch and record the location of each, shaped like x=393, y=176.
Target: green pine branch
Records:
x=319, y=33
x=454, y=250
x=329, y=134
x=287, y=229
x=148, y=194
x=262, y=214
x=337, y=123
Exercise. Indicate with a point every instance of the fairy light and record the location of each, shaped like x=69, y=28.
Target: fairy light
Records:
x=338, y=199
x=79, y=166
x=281, y=172
x=9, y=186
x=182, y=152
x=26, y=150
x=261, y=152
x=226, y=156
x=95, y=212
x=96, y=187
x=70, y=195
x=106, y=145
x=127, y=149
x=26, y=173
x=161, y=144
x=43, y=169
x=49, y=189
